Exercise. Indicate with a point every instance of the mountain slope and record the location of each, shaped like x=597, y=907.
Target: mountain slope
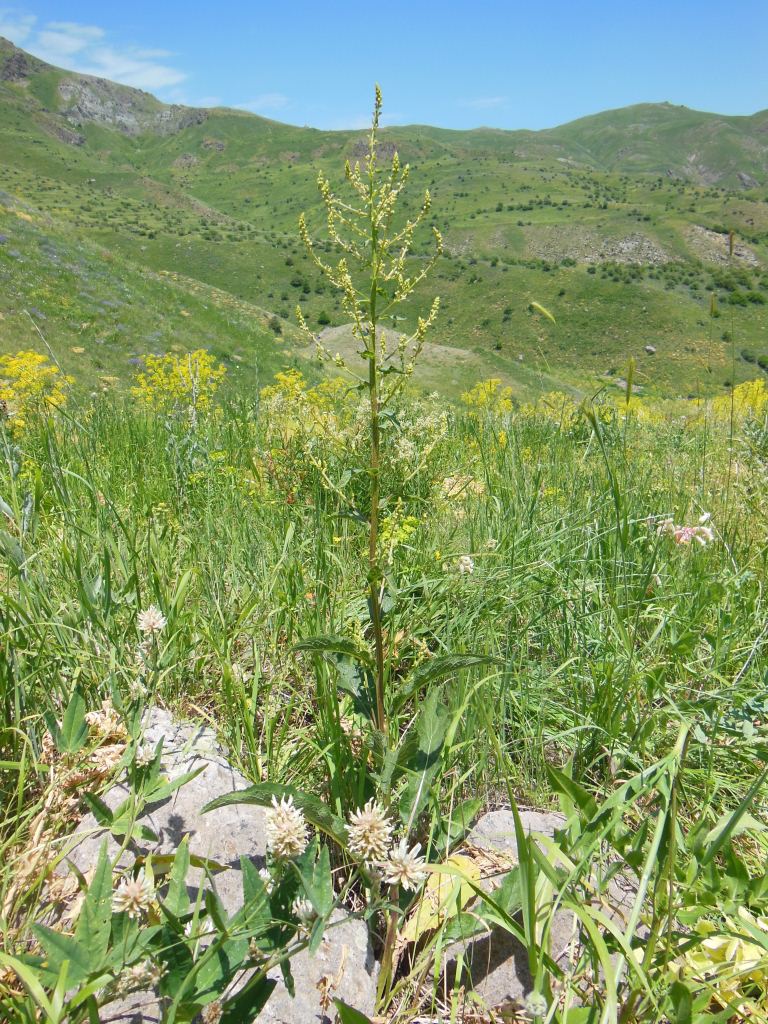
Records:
x=604, y=220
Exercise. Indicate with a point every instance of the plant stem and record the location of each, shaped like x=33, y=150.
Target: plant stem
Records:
x=374, y=569
x=385, y=969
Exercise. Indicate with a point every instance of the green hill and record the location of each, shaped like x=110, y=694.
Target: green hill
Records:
x=617, y=222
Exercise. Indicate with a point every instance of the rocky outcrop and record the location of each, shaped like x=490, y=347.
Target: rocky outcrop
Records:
x=19, y=66
x=87, y=100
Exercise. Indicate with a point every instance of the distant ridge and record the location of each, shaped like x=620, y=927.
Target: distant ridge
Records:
x=662, y=138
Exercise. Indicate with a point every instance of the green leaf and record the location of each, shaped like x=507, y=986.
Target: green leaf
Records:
x=458, y=820
x=349, y=1015
x=254, y=917
x=564, y=784
x=165, y=787
x=331, y=643
x=314, y=810
x=505, y=903
x=441, y=666
x=249, y=1002
x=728, y=828
x=682, y=1003
x=431, y=729
x=61, y=947
x=73, y=732
x=216, y=911
x=317, y=881
x=93, y=924
x=177, y=900
x=11, y=548
x=356, y=680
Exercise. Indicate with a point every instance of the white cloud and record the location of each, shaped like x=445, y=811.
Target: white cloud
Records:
x=267, y=101
x=89, y=50
x=124, y=66
x=484, y=102
x=16, y=25
x=65, y=38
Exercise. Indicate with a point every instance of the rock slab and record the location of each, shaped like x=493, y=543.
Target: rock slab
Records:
x=495, y=964
x=344, y=963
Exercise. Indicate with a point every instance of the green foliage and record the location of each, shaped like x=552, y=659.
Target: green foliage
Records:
x=570, y=603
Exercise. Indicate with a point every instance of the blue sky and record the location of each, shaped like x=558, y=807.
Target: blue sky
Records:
x=458, y=65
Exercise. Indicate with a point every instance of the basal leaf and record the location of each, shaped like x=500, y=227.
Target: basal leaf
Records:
x=262, y=793
x=441, y=666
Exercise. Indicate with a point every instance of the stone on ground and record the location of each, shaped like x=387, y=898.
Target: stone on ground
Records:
x=344, y=964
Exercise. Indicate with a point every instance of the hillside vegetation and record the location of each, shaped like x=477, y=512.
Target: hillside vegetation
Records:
x=616, y=223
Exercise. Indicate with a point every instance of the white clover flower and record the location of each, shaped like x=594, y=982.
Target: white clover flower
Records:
x=704, y=518
x=536, y=1004
x=145, y=755
x=465, y=565
x=133, y=896
x=136, y=690
x=370, y=833
x=286, y=829
x=304, y=910
x=269, y=882
x=139, y=977
x=151, y=621
x=405, y=867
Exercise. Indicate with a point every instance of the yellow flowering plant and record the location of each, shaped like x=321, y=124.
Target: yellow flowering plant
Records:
x=187, y=381
x=29, y=383
x=488, y=396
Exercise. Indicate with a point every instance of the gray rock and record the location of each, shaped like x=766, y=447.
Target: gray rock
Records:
x=496, y=829
x=344, y=962
x=495, y=965
x=345, y=957
x=223, y=835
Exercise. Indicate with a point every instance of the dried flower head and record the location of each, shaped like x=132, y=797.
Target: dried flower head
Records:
x=701, y=534
x=405, y=867
x=465, y=565
x=106, y=724
x=286, y=829
x=151, y=621
x=133, y=896
x=370, y=833
x=212, y=1013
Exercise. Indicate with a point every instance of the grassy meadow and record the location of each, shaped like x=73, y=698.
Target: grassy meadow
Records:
x=605, y=221
x=406, y=578
x=532, y=538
